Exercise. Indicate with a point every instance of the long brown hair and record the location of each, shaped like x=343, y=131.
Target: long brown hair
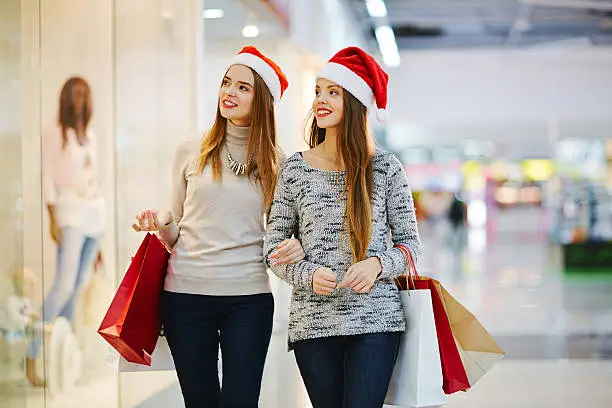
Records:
x=355, y=146
x=67, y=116
x=262, y=157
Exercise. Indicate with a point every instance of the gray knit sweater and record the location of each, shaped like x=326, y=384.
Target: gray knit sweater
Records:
x=309, y=203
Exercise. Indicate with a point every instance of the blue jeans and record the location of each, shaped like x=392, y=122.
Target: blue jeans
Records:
x=76, y=255
x=348, y=371
x=196, y=325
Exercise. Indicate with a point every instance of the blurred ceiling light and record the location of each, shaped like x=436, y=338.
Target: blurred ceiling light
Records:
x=213, y=13
x=388, y=46
x=522, y=25
x=250, y=31
x=376, y=8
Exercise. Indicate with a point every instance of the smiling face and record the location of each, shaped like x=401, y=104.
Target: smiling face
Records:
x=328, y=105
x=236, y=95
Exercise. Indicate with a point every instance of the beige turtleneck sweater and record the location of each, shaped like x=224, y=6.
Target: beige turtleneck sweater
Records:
x=219, y=250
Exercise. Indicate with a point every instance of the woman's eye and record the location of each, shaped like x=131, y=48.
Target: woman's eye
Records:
x=333, y=92
x=244, y=88
x=225, y=83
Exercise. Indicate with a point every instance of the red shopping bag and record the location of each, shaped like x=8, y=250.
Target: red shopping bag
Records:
x=453, y=372
x=133, y=321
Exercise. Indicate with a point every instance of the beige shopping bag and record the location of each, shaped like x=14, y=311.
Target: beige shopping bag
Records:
x=478, y=349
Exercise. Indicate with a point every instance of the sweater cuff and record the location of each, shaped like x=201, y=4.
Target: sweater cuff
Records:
x=393, y=263
x=168, y=234
x=306, y=273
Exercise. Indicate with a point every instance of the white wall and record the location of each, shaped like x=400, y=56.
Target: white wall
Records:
x=435, y=97
x=323, y=27
x=156, y=62
x=11, y=246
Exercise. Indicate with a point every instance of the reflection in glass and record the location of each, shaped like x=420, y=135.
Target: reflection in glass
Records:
x=16, y=283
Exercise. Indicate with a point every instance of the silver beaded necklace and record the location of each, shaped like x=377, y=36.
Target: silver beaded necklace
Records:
x=235, y=166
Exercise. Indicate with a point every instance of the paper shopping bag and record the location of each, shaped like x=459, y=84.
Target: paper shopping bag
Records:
x=161, y=360
x=417, y=376
x=477, y=348
x=454, y=376
x=133, y=321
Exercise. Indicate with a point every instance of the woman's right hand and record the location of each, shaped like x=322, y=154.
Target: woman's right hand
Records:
x=151, y=220
x=324, y=281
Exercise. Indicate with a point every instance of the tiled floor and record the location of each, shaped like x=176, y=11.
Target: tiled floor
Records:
x=556, y=331
x=541, y=384
x=511, y=384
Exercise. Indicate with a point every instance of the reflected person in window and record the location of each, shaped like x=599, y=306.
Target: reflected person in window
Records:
x=74, y=202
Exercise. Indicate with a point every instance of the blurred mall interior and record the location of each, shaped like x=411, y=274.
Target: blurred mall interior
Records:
x=500, y=108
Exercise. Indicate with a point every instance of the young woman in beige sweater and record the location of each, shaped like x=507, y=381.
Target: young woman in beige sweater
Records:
x=216, y=291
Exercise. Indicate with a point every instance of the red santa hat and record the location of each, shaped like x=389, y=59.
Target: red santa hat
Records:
x=267, y=69
x=358, y=72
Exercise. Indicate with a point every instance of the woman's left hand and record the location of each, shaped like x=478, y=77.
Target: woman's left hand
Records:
x=361, y=276
x=287, y=252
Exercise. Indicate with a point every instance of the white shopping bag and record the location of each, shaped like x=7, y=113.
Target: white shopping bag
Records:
x=161, y=359
x=417, y=377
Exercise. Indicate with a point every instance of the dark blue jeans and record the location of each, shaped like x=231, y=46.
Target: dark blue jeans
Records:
x=196, y=325
x=348, y=371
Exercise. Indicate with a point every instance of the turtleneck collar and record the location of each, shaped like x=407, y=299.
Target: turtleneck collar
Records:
x=237, y=135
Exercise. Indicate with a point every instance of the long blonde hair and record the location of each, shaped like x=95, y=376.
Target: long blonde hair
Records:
x=262, y=156
x=356, y=147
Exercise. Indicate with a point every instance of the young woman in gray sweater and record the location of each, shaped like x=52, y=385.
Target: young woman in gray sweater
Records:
x=344, y=199
x=216, y=290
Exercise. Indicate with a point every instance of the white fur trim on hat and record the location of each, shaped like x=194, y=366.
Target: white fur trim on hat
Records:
x=264, y=70
x=350, y=81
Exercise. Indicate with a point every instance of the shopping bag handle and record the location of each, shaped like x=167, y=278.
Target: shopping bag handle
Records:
x=411, y=270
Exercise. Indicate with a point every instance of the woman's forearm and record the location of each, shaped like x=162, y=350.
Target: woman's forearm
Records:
x=52, y=218
x=169, y=233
